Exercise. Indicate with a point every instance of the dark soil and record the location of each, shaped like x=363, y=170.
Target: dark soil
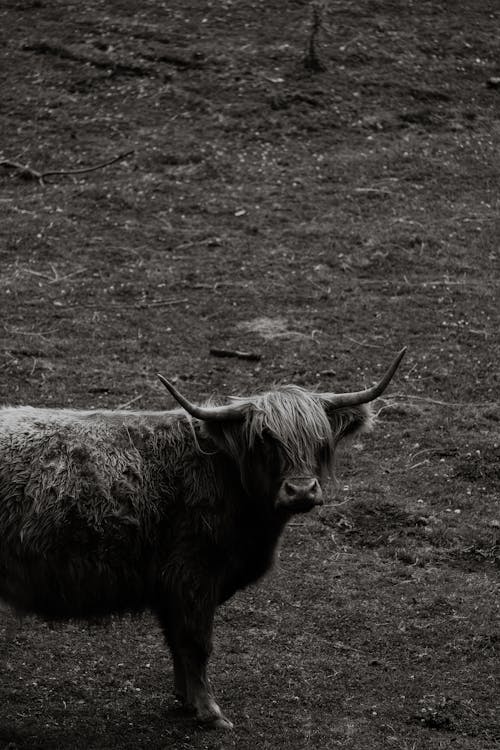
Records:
x=317, y=220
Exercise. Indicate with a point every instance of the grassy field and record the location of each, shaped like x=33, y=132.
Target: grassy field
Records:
x=321, y=220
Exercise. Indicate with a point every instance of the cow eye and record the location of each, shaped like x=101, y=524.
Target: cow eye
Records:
x=324, y=457
x=270, y=450
x=267, y=441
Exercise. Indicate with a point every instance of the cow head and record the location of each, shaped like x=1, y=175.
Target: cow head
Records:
x=284, y=441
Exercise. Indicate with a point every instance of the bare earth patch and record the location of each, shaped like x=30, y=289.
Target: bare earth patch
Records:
x=321, y=220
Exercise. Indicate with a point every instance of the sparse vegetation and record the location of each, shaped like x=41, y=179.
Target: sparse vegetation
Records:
x=312, y=59
x=322, y=222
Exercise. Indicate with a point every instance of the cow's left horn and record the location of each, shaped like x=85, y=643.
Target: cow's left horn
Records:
x=337, y=400
x=204, y=412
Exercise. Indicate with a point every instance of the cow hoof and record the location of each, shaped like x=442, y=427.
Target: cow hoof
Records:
x=214, y=719
x=181, y=698
x=222, y=723
x=216, y=722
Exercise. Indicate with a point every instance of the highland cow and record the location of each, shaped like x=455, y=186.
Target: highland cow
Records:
x=105, y=512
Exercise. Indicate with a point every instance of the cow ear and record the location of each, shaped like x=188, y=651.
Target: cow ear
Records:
x=348, y=421
x=251, y=463
x=227, y=436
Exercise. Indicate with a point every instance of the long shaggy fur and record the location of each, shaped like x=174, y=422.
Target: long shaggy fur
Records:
x=293, y=417
x=302, y=423
x=86, y=493
x=110, y=511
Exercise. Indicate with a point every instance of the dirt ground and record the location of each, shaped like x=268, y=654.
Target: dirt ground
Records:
x=319, y=219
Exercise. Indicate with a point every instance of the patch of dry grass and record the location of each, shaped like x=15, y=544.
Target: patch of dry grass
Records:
x=325, y=220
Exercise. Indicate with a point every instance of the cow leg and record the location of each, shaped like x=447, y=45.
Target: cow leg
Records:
x=189, y=636
x=180, y=689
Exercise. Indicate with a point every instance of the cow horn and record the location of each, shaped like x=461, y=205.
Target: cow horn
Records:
x=204, y=412
x=337, y=400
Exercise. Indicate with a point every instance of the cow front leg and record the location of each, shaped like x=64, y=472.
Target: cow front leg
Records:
x=188, y=632
x=195, y=652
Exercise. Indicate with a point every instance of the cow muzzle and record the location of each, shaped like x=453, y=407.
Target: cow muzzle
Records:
x=299, y=494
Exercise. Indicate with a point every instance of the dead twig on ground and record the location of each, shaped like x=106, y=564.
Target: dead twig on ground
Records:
x=401, y=398
x=194, y=243
x=79, y=54
x=311, y=60
x=161, y=303
x=12, y=330
x=372, y=191
x=252, y=356
x=366, y=343
x=29, y=173
x=56, y=278
x=129, y=403
x=140, y=305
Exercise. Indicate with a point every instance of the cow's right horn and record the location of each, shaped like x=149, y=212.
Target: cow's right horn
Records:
x=338, y=400
x=218, y=413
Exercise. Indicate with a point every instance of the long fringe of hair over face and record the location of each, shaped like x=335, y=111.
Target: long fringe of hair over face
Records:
x=298, y=420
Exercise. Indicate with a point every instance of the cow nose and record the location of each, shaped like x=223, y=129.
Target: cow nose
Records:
x=304, y=489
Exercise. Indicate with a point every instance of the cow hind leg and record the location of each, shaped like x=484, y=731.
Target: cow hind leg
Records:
x=189, y=640
x=180, y=687
x=169, y=631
